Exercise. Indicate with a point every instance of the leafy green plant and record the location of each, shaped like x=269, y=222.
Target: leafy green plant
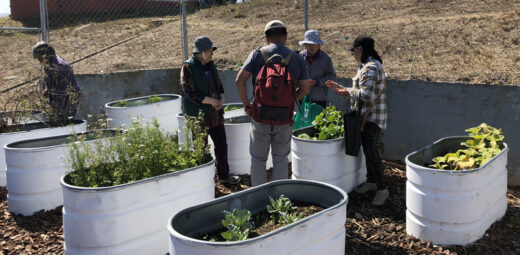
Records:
x=153, y=99
x=232, y=107
x=486, y=142
x=141, y=152
x=238, y=225
x=328, y=125
x=281, y=209
x=122, y=103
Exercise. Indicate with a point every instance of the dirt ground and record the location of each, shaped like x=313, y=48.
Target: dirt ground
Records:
x=369, y=229
x=434, y=40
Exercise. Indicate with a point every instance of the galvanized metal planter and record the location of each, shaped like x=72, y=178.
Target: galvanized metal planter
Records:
x=33, y=131
x=165, y=111
x=326, y=161
x=453, y=207
x=238, y=130
x=34, y=169
x=130, y=218
x=320, y=233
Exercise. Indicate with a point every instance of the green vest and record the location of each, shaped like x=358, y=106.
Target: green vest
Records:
x=200, y=85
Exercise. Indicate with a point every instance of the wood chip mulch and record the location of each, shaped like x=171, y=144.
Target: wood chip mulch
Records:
x=369, y=229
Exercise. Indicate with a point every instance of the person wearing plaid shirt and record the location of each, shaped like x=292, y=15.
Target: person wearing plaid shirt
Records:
x=369, y=88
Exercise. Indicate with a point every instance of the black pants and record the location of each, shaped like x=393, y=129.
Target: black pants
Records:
x=218, y=135
x=375, y=166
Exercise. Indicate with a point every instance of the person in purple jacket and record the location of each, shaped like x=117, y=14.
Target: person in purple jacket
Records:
x=61, y=87
x=319, y=65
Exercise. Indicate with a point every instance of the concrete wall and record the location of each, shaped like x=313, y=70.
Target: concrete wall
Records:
x=419, y=113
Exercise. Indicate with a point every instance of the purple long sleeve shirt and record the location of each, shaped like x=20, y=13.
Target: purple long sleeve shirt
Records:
x=61, y=84
x=320, y=69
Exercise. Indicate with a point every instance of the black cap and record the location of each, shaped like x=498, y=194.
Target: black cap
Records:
x=365, y=41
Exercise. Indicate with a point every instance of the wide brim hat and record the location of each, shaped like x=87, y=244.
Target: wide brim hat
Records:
x=203, y=43
x=311, y=37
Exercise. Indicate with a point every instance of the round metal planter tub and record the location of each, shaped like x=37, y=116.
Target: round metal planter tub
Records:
x=453, y=207
x=164, y=111
x=130, y=218
x=238, y=129
x=320, y=233
x=326, y=161
x=34, y=169
x=33, y=131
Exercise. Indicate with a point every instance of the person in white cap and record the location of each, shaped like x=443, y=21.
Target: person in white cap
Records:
x=319, y=65
x=277, y=134
x=203, y=91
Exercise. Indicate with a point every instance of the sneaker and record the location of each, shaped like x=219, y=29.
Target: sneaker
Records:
x=380, y=197
x=366, y=187
x=232, y=179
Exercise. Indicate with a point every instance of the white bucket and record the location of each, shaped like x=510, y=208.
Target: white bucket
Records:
x=33, y=131
x=238, y=130
x=164, y=111
x=34, y=169
x=130, y=218
x=320, y=233
x=453, y=207
x=326, y=161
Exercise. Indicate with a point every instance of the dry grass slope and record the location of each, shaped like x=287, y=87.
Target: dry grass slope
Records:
x=466, y=41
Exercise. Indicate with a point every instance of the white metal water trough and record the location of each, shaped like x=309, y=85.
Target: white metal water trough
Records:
x=326, y=161
x=33, y=131
x=130, y=218
x=453, y=207
x=165, y=111
x=34, y=169
x=320, y=233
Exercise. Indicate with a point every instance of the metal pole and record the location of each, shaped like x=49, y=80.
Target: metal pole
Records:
x=43, y=20
x=184, y=30
x=306, y=10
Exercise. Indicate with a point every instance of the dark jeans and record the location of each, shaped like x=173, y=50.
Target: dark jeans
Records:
x=218, y=135
x=375, y=166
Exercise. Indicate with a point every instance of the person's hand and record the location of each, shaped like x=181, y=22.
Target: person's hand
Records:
x=45, y=93
x=214, y=102
x=248, y=108
x=314, y=83
x=332, y=84
x=342, y=91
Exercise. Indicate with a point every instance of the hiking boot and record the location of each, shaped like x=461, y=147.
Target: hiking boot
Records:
x=231, y=179
x=366, y=187
x=380, y=197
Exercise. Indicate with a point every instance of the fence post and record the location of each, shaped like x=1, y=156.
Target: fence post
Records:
x=43, y=21
x=184, y=30
x=306, y=10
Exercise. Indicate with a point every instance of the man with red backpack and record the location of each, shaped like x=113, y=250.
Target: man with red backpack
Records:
x=280, y=77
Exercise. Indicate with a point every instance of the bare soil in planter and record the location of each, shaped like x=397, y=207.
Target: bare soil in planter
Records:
x=369, y=229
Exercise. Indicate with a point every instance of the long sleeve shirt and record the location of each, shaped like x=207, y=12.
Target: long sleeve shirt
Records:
x=320, y=69
x=368, y=84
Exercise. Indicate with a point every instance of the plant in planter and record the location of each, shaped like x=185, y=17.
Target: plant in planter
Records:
x=122, y=190
x=318, y=153
x=456, y=199
x=163, y=107
x=319, y=232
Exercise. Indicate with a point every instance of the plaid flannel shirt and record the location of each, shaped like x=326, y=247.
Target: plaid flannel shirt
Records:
x=367, y=85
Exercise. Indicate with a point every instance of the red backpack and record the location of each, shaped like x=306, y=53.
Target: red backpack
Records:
x=274, y=92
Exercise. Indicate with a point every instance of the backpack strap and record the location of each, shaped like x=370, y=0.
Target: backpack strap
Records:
x=268, y=60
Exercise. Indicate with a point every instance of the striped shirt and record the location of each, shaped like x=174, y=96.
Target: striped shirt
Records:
x=367, y=85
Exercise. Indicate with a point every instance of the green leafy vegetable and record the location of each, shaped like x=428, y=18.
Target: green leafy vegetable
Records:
x=238, y=225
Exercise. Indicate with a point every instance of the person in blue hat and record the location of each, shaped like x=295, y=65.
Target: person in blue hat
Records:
x=203, y=91
x=319, y=65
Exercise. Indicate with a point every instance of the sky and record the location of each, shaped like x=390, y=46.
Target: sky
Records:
x=5, y=8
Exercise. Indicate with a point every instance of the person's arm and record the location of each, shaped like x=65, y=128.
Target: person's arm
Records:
x=367, y=82
x=241, y=83
x=304, y=86
x=330, y=73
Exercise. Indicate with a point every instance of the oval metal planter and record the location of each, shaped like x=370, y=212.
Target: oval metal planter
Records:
x=326, y=161
x=33, y=131
x=34, y=169
x=320, y=233
x=130, y=218
x=453, y=207
x=165, y=111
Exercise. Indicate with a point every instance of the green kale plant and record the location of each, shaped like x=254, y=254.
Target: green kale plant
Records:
x=486, y=142
x=281, y=209
x=238, y=225
x=328, y=125
x=153, y=99
x=122, y=103
x=232, y=107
